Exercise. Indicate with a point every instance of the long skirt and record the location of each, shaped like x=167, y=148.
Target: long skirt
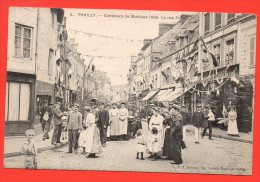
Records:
x=92, y=142
x=232, y=127
x=114, y=126
x=167, y=143
x=175, y=152
x=123, y=127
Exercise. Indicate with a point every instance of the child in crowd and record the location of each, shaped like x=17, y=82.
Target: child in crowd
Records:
x=29, y=150
x=141, y=144
x=64, y=120
x=82, y=140
x=130, y=123
x=154, y=141
x=137, y=124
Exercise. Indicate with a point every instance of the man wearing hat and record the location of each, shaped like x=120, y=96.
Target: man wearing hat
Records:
x=57, y=113
x=197, y=120
x=46, y=117
x=103, y=122
x=74, y=126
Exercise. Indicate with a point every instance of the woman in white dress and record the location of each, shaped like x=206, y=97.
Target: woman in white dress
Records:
x=123, y=122
x=232, y=123
x=91, y=139
x=114, y=122
x=155, y=122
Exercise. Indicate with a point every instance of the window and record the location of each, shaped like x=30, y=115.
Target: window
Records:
x=217, y=21
x=230, y=17
x=22, y=41
x=206, y=23
x=230, y=51
x=50, y=61
x=252, y=51
x=217, y=53
x=17, y=101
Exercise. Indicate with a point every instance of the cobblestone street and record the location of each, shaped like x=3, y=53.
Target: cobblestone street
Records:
x=219, y=156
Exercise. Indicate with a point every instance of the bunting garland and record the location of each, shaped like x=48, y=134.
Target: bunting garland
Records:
x=105, y=36
x=231, y=77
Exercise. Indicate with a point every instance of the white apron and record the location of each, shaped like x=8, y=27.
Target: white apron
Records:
x=123, y=121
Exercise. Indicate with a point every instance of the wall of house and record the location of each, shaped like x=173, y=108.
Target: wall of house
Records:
x=247, y=30
x=20, y=16
x=47, y=39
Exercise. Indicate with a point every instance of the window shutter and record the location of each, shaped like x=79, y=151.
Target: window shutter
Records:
x=252, y=50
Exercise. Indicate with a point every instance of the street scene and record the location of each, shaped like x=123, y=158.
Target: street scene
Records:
x=121, y=90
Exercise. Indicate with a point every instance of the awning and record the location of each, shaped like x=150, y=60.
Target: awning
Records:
x=172, y=95
x=165, y=95
x=149, y=95
x=161, y=92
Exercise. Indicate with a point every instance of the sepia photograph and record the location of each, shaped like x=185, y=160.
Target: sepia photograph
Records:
x=130, y=90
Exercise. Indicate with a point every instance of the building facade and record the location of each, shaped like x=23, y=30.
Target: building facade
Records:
x=30, y=65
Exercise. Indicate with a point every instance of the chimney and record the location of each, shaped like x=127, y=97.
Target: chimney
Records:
x=146, y=41
x=164, y=28
x=184, y=18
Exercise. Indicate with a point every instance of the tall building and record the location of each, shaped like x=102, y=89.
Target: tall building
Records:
x=32, y=46
x=231, y=38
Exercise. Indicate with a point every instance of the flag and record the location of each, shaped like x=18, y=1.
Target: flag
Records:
x=234, y=79
x=89, y=65
x=165, y=76
x=93, y=68
x=173, y=71
x=214, y=60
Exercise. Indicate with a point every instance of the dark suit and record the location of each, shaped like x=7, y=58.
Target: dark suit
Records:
x=103, y=122
x=197, y=119
x=57, y=113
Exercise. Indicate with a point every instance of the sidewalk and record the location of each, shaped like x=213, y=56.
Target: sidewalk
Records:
x=218, y=133
x=12, y=145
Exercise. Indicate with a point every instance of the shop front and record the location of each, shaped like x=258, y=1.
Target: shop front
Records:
x=232, y=90
x=19, y=104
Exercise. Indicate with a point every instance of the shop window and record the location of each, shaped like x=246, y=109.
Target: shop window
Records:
x=206, y=23
x=230, y=18
x=22, y=41
x=217, y=21
x=252, y=51
x=17, y=101
x=230, y=51
x=217, y=53
x=50, y=61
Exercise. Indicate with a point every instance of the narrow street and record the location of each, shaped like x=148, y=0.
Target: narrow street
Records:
x=209, y=157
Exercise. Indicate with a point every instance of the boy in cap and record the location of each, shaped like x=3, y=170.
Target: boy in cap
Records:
x=57, y=113
x=46, y=117
x=74, y=127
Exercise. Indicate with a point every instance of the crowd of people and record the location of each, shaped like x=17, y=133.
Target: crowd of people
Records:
x=91, y=129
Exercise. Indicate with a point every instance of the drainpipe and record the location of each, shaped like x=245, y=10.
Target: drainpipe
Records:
x=34, y=94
